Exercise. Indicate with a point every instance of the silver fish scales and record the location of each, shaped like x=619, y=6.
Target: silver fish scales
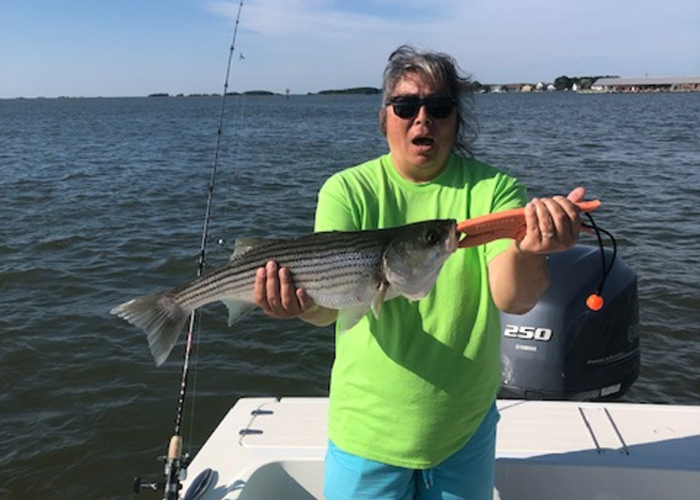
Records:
x=351, y=271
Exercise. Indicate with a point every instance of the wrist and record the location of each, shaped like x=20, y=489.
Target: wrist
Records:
x=524, y=252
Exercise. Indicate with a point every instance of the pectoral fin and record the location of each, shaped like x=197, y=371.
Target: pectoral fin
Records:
x=378, y=299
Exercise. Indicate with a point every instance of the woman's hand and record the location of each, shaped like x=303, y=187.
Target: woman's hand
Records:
x=518, y=276
x=552, y=224
x=276, y=294
x=279, y=298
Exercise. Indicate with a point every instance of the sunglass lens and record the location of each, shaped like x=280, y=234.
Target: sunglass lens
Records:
x=407, y=108
x=440, y=107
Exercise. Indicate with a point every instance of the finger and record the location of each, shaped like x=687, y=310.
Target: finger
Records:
x=259, y=290
x=558, y=217
x=272, y=286
x=531, y=216
x=532, y=228
x=577, y=195
x=530, y=240
x=570, y=219
x=545, y=219
x=288, y=296
x=305, y=301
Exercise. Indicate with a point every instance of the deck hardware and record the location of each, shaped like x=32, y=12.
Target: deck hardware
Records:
x=249, y=432
x=262, y=412
x=590, y=430
x=617, y=431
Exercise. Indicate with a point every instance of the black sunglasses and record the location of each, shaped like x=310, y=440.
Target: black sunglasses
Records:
x=407, y=106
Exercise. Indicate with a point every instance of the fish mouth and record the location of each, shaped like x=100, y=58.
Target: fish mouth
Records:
x=452, y=242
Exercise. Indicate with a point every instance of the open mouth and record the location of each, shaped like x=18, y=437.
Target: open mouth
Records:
x=423, y=141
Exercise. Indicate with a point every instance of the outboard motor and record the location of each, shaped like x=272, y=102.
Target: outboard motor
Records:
x=561, y=349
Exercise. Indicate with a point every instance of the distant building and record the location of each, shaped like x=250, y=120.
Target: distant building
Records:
x=656, y=84
x=506, y=87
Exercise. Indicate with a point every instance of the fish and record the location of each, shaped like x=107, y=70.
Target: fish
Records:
x=351, y=271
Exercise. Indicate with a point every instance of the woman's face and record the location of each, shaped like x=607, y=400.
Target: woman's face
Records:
x=420, y=145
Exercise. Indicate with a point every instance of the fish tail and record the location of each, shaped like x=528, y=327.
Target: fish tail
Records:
x=161, y=316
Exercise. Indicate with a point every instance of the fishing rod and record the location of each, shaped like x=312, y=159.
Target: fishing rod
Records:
x=176, y=462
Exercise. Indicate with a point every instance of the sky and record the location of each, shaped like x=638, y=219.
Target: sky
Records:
x=112, y=48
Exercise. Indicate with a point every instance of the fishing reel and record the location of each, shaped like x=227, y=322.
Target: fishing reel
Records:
x=138, y=485
x=174, y=473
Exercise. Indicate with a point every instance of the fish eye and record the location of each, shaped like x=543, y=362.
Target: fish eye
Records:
x=432, y=237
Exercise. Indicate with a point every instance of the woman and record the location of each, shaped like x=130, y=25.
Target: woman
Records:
x=412, y=398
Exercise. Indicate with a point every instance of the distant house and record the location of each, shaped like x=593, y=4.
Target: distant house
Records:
x=655, y=84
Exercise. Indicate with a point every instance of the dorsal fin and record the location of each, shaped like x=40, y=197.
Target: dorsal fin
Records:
x=243, y=245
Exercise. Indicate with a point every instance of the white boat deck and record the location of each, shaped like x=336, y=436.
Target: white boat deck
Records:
x=274, y=449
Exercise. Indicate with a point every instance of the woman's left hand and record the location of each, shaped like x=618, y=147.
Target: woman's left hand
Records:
x=552, y=224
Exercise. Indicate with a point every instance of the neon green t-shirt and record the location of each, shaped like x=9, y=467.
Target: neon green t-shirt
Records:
x=410, y=388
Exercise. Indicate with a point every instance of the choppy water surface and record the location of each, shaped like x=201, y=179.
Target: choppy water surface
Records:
x=103, y=200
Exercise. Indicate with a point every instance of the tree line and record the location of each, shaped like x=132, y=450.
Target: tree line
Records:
x=583, y=82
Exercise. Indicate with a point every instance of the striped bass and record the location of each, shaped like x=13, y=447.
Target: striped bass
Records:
x=351, y=271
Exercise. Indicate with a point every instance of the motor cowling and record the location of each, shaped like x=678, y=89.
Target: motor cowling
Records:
x=562, y=350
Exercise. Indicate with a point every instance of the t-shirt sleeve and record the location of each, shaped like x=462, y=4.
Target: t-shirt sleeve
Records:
x=333, y=210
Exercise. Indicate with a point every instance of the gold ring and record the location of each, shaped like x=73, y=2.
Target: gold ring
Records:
x=548, y=235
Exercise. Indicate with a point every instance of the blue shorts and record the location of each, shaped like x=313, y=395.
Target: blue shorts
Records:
x=467, y=474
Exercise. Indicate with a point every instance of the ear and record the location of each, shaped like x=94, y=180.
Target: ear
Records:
x=382, y=120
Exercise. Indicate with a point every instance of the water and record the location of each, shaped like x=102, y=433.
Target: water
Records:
x=103, y=200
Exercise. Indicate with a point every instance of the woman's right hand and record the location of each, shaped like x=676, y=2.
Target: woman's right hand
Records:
x=276, y=294
x=279, y=298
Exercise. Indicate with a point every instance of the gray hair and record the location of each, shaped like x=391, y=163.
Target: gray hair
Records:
x=441, y=72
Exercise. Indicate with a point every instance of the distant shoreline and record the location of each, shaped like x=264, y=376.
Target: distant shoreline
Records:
x=562, y=84
x=348, y=91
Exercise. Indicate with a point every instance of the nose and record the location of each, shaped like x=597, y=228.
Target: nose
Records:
x=423, y=116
